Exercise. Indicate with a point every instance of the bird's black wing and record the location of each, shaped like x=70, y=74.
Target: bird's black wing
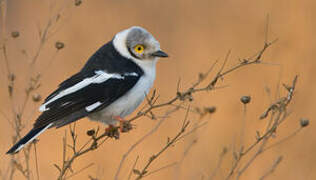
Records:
x=84, y=93
x=106, y=76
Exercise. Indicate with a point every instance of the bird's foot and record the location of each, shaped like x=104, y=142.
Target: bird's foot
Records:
x=125, y=125
x=112, y=132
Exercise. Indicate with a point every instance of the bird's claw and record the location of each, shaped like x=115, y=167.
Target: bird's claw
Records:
x=125, y=126
x=112, y=132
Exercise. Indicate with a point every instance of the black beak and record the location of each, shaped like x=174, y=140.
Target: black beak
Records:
x=160, y=54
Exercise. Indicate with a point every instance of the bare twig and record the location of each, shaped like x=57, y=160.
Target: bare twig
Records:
x=219, y=163
x=272, y=168
x=278, y=115
x=133, y=167
x=141, y=140
x=243, y=127
x=284, y=139
x=162, y=168
x=187, y=94
x=19, y=121
x=171, y=142
x=79, y=171
x=36, y=163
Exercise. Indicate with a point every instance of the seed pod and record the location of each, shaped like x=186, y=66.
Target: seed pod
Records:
x=91, y=132
x=304, y=122
x=15, y=34
x=59, y=45
x=36, y=97
x=78, y=2
x=245, y=99
x=210, y=109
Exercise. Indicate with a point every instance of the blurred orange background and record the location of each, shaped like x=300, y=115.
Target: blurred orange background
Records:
x=194, y=34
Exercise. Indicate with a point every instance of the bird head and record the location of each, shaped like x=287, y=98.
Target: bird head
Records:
x=138, y=44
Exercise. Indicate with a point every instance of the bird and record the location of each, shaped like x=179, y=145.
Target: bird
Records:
x=111, y=85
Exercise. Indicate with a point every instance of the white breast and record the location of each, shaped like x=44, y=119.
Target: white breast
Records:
x=126, y=104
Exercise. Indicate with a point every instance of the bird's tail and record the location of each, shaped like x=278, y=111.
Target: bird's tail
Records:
x=28, y=138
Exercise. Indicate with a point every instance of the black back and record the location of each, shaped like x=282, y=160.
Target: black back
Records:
x=72, y=106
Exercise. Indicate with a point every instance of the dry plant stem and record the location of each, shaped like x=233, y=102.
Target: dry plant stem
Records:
x=219, y=163
x=243, y=127
x=80, y=170
x=211, y=85
x=67, y=163
x=278, y=111
x=36, y=162
x=133, y=167
x=272, y=168
x=283, y=140
x=45, y=35
x=19, y=121
x=187, y=150
x=160, y=169
x=180, y=162
x=171, y=142
x=5, y=57
x=141, y=140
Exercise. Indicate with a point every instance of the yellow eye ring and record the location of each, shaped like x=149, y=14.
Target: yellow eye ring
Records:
x=139, y=48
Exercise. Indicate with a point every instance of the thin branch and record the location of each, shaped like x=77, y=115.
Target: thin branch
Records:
x=171, y=142
x=153, y=130
x=272, y=169
x=79, y=171
x=162, y=168
x=278, y=115
x=36, y=161
x=6, y=61
x=184, y=155
x=211, y=85
x=219, y=163
x=284, y=139
x=133, y=167
x=243, y=126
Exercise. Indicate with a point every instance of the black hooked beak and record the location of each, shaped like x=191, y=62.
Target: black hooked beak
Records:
x=160, y=54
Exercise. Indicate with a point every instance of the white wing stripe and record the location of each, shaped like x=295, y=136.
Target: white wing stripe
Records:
x=99, y=77
x=131, y=74
x=93, y=106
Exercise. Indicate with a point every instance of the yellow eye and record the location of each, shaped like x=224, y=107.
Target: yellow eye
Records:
x=139, y=48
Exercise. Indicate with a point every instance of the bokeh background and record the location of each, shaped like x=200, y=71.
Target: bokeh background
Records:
x=194, y=34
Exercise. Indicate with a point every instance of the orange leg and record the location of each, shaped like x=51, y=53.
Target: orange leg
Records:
x=110, y=128
x=125, y=126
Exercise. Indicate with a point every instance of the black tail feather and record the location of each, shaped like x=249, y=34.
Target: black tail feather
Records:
x=27, y=139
